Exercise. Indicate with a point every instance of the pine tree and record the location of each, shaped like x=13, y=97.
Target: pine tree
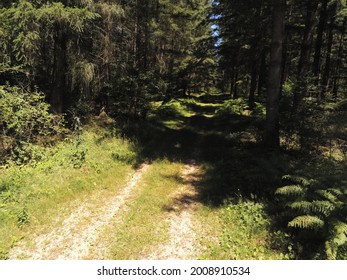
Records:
x=272, y=140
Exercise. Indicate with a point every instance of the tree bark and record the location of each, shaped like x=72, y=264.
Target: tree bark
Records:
x=253, y=87
x=235, y=85
x=272, y=140
x=262, y=74
x=303, y=66
x=58, y=89
x=339, y=61
x=319, y=40
x=256, y=54
x=327, y=66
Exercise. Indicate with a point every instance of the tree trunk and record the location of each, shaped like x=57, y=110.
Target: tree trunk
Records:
x=253, y=87
x=58, y=96
x=107, y=57
x=285, y=65
x=327, y=66
x=231, y=82
x=256, y=54
x=319, y=40
x=303, y=66
x=235, y=85
x=339, y=61
x=272, y=140
x=312, y=7
x=262, y=76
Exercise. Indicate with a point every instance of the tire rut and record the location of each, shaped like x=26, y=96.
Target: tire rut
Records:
x=72, y=240
x=182, y=243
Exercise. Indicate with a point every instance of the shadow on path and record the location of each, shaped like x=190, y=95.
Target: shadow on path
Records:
x=226, y=146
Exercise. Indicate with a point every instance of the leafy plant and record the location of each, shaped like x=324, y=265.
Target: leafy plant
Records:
x=173, y=108
x=25, y=120
x=240, y=107
x=23, y=217
x=317, y=211
x=79, y=154
x=232, y=107
x=245, y=234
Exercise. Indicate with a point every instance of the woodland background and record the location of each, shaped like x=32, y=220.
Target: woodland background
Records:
x=272, y=76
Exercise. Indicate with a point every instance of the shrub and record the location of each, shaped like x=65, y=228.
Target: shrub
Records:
x=25, y=120
x=317, y=213
x=232, y=107
x=240, y=107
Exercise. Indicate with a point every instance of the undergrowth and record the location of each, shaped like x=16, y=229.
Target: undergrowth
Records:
x=64, y=174
x=246, y=233
x=240, y=107
x=26, y=125
x=173, y=109
x=317, y=215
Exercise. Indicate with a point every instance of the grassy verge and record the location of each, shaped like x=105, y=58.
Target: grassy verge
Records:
x=241, y=232
x=35, y=198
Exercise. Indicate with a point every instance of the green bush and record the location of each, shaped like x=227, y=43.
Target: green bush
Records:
x=25, y=120
x=317, y=127
x=232, y=107
x=173, y=108
x=317, y=214
x=240, y=107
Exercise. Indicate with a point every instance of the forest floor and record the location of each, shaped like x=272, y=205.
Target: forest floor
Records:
x=162, y=198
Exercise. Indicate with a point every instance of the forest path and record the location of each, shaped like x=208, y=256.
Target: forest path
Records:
x=78, y=232
x=85, y=232
x=184, y=227
x=182, y=243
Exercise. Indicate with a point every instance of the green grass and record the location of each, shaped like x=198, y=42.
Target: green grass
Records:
x=144, y=225
x=172, y=114
x=174, y=108
x=35, y=197
x=244, y=233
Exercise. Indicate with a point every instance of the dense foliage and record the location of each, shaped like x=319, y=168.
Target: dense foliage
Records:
x=25, y=120
x=318, y=211
x=115, y=54
x=259, y=86
x=295, y=52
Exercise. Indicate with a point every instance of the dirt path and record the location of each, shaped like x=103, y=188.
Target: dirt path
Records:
x=182, y=243
x=78, y=232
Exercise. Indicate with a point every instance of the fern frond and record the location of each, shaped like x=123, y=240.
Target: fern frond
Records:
x=340, y=239
x=335, y=191
x=337, y=239
x=331, y=250
x=306, y=222
x=322, y=207
x=301, y=206
x=340, y=227
x=316, y=207
x=327, y=194
x=299, y=180
x=291, y=190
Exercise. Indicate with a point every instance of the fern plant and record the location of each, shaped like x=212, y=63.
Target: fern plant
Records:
x=316, y=209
